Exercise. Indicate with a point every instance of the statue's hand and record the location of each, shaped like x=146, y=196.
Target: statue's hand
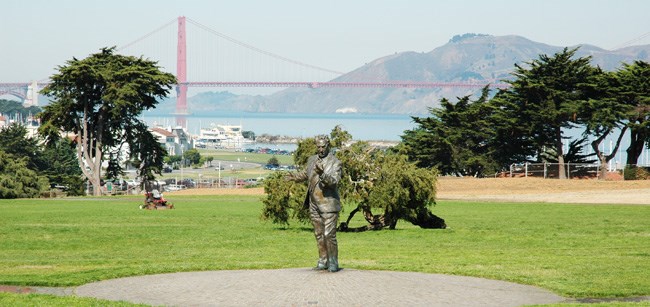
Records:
x=319, y=167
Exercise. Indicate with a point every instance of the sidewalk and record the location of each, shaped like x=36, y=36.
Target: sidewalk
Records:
x=304, y=287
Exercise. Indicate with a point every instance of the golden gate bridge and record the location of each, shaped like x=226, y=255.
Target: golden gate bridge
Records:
x=28, y=91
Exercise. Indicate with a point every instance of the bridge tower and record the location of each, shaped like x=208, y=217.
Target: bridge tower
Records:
x=181, y=75
x=32, y=95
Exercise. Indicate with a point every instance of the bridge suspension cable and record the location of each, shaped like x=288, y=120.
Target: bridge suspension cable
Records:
x=273, y=55
x=632, y=41
x=388, y=84
x=173, y=21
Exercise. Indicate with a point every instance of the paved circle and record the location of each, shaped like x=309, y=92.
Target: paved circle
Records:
x=305, y=287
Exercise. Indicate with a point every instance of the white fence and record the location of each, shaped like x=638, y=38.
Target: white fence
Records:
x=551, y=170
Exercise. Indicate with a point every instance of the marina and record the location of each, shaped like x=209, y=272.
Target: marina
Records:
x=221, y=137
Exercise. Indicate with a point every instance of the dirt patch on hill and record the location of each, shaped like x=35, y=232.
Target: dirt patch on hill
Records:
x=218, y=191
x=511, y=189
x=546, y=190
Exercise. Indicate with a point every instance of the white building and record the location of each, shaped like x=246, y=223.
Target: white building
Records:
x=222, y=136
x=174, y=140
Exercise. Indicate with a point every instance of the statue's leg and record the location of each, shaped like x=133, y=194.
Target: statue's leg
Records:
x=330, y=222
x=319, y=233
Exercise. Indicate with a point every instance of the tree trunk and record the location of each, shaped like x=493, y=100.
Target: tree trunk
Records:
x=560, y=153
x=426, y=219
x=602, y=158
x=90, y=162
x=97, y=174
x=637, y=140
x=423, y=218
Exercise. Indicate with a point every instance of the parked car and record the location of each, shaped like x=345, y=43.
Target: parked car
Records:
x=132, y=182
x=272, y=167
x=174, y=187
x=60, y=187
x=187, y=182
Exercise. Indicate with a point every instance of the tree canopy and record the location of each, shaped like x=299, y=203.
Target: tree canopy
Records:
x=372, y=179
x=56, y=161
x=14, y=141
x=16, y=109
x=455, y=139
x=632, y=88
x=192, y=156
x=529, y=121
x=17, y=180
x=98, y=100
x=546, y=97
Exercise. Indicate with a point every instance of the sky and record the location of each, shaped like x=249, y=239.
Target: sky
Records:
x=342, y=35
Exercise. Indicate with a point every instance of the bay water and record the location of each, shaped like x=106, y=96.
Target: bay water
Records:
x=367, y=127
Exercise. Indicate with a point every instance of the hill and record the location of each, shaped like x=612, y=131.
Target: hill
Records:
x=469, y=57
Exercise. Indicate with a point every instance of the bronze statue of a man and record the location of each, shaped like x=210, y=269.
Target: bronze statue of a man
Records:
x=323, y=173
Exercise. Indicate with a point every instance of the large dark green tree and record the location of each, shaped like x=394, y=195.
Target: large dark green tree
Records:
x=455, y=139
x=98, y=100
x=14, y=141
x=61, y=167
x=632, y=89
x=57, y=160
x=20, y=159
x=17, y=180
x=546, y=97
x=603, y=115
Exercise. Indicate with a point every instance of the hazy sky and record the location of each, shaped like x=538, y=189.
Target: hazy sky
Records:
x=38, y=35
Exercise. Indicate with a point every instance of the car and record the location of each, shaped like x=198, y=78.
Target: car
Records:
x=174, y=187
x=272, y=167
x=187, y=183
x=132, y=183
x=59, y=187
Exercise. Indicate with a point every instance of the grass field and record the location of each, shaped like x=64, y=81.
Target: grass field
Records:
x=245, y=156
x=210, y=171
x=579, y=251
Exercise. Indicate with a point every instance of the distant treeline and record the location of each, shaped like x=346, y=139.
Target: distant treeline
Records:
x=15, y=110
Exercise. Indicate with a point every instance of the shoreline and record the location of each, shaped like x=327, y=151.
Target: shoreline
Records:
x=275, y=139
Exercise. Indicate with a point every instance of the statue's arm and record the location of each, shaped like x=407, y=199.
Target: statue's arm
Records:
x=297, y=176
x=300, y=175
x=333, y=175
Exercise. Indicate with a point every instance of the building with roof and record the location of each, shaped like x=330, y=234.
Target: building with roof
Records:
x=174, y=139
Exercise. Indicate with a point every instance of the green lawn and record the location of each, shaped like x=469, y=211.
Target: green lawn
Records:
x=226, y=155
x=210, y=171
x=575, y=251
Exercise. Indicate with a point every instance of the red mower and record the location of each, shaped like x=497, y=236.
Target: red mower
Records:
x=154, y=200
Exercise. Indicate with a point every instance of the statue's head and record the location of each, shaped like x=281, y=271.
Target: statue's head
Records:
x=322, y=145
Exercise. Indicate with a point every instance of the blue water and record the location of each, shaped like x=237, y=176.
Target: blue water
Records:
x=386, y=127
x=369, y=127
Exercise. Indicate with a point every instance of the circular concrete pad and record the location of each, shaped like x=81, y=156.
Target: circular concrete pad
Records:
x=305, y=287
